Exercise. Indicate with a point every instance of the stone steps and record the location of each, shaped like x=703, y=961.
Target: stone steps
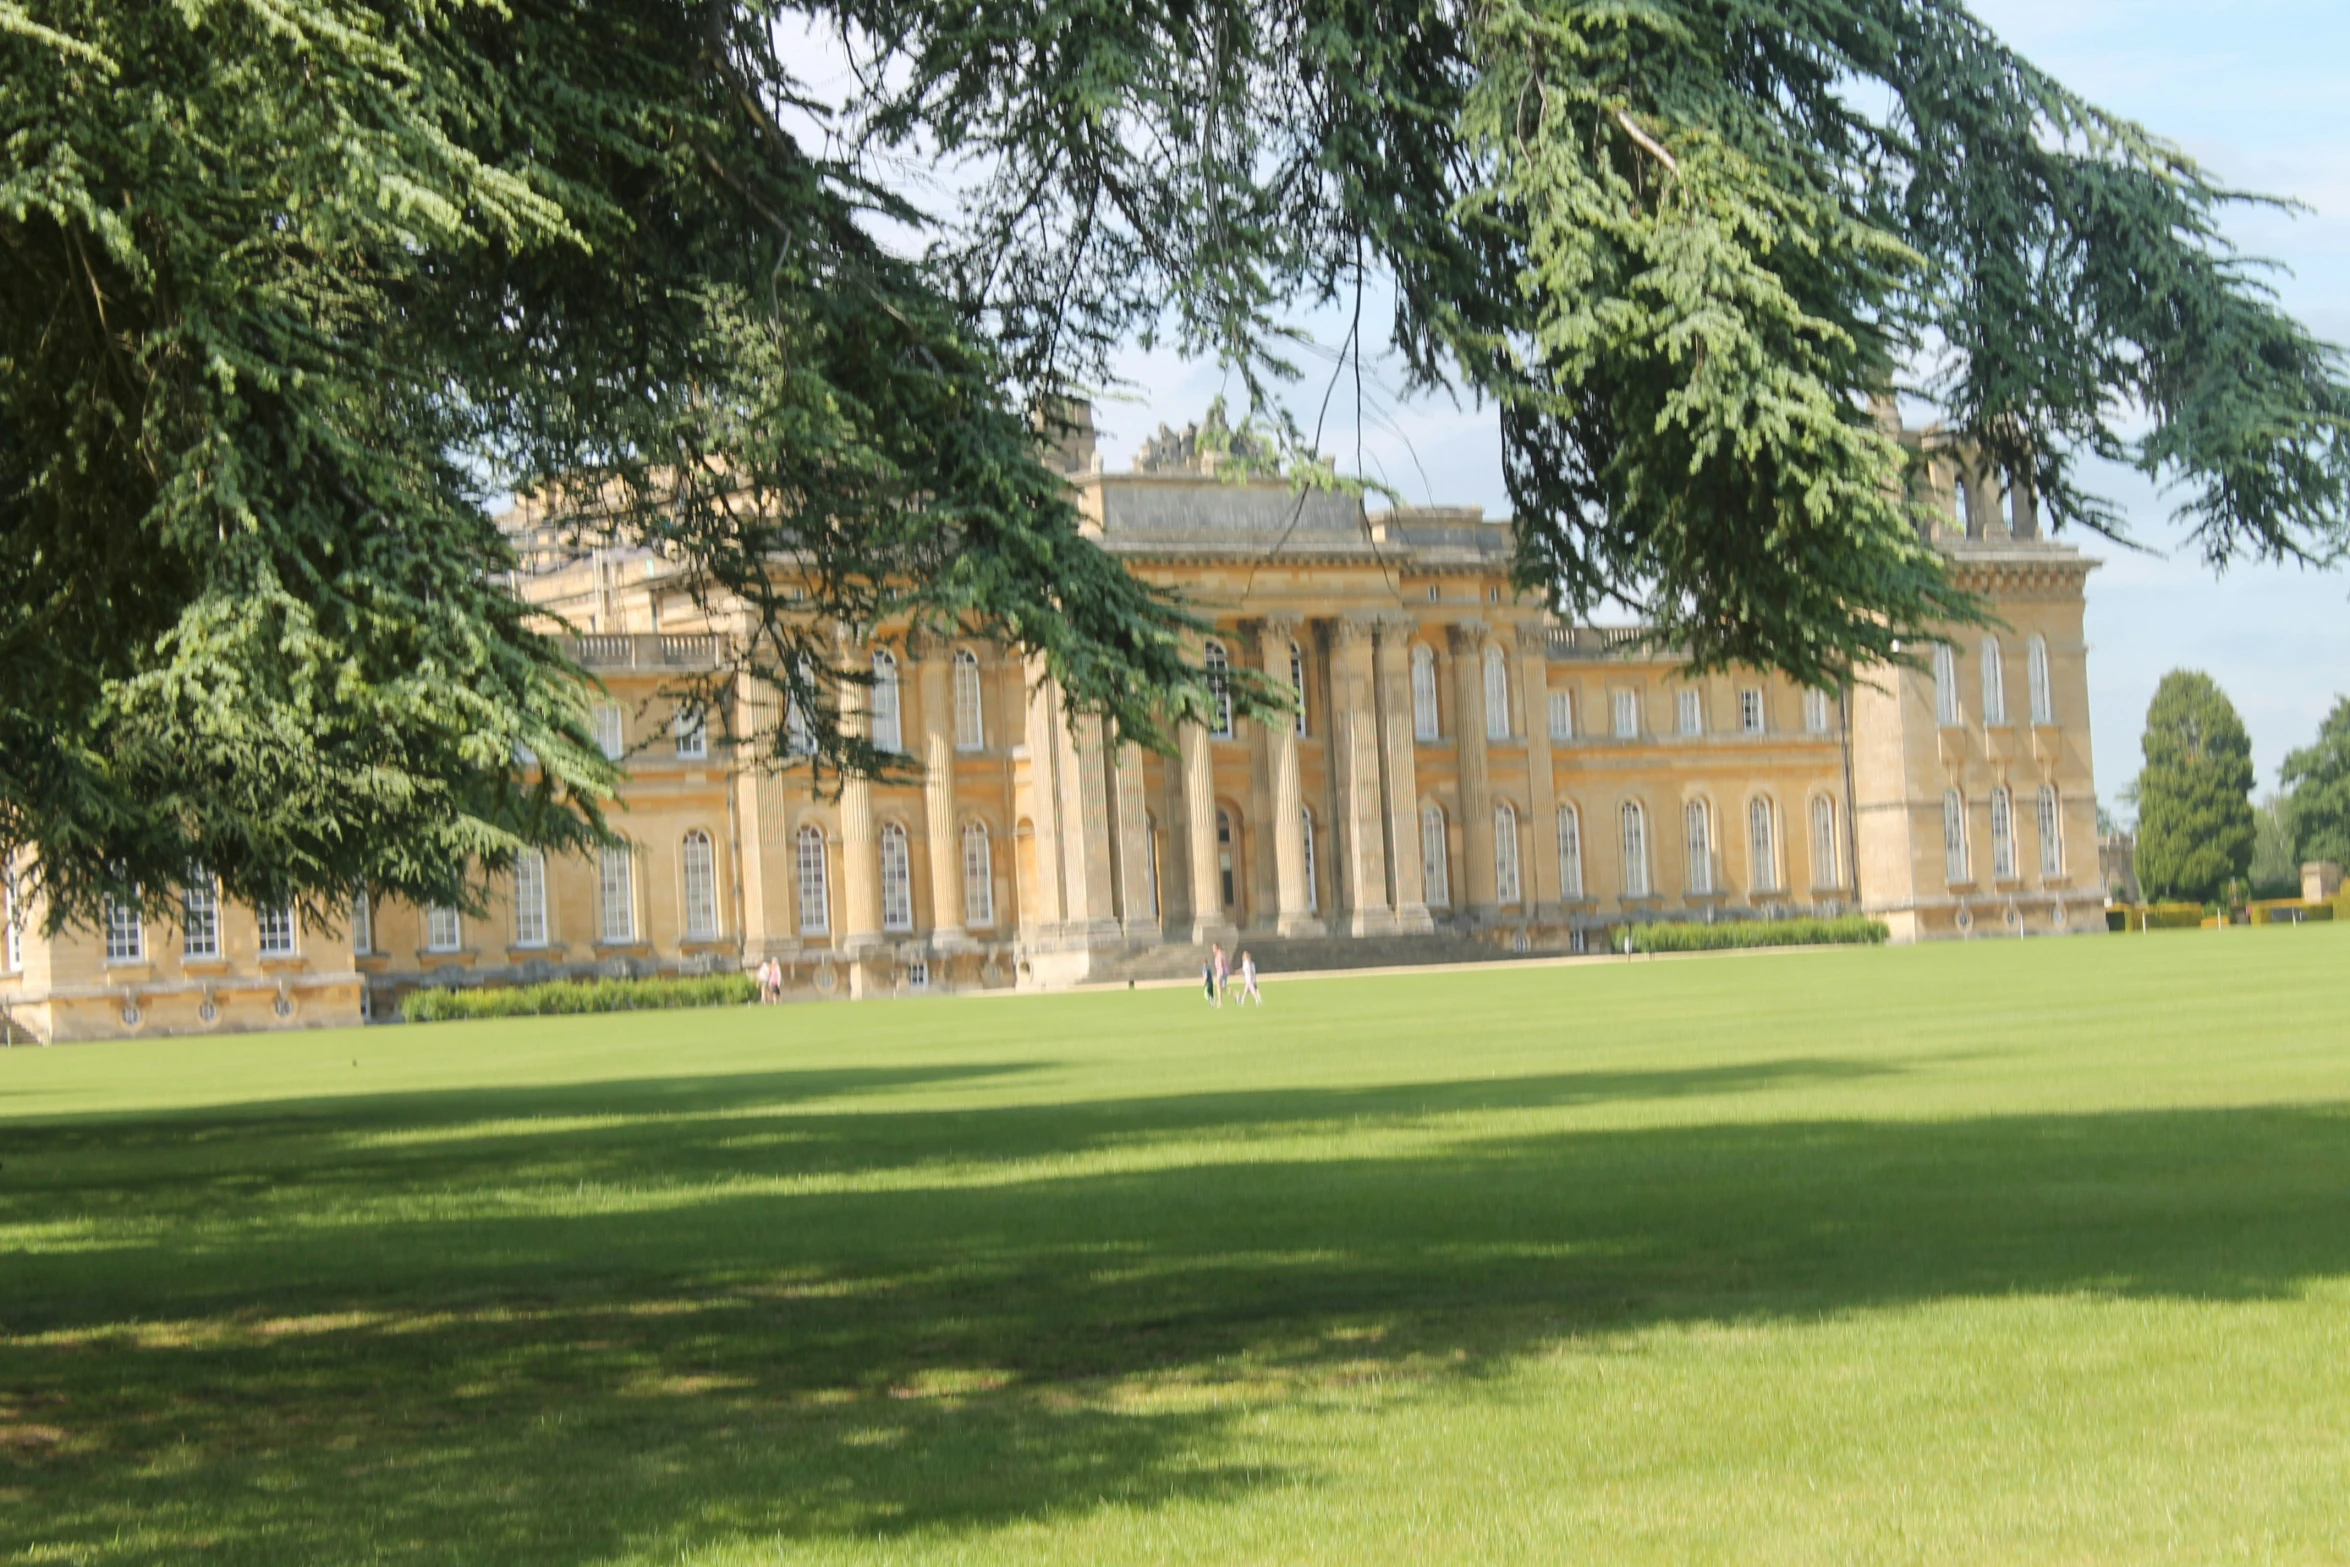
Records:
x=1302, y=954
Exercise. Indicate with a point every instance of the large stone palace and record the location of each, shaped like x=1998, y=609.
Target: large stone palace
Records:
x=1461, y=768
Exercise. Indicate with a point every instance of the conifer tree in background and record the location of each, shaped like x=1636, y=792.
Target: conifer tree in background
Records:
x=2317, y=810
x=290, y=290
x=2195, y=828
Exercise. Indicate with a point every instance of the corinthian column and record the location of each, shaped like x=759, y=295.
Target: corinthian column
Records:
x=1467, y=640
x=1199, y=832
x=938, y=795
x=1540, y=867
x=1399, y=786
x=1291, y=916
x=1360, y=859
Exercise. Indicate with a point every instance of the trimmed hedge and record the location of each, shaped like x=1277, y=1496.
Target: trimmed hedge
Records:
x=2287, y=911
x=1726, y=935
x=2156, y=916
x=579, y=995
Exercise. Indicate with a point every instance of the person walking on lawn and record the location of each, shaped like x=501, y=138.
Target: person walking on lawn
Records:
x=1248, y=981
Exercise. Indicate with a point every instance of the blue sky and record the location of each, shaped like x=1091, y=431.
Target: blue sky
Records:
x=2260, y=94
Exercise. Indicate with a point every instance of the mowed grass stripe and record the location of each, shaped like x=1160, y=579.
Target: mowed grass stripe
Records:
x=2014, y=1250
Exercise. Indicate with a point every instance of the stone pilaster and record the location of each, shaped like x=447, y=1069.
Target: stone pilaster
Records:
x=1085, y=827
x=1467, y=640
x=1538, y=868
x=1399, y=787
x=1284, y=800
x=1199, y=833
x=1359, y=849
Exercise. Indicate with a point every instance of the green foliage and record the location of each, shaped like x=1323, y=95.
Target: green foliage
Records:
x=291, y=290
x=1728, y=935
x=2195, y=828
x=566, y=996
x=2317, y=811
x=2273, y=862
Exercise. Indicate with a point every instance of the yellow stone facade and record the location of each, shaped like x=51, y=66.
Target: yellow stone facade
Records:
x=1464, y=769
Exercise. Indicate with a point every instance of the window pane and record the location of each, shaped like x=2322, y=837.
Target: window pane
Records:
x=978, y=877
x=698, y=874
x=277, y=932
x=201, y=923
x=1692, y=713
x=609, y=733
x=897, y=880
x=888, y=732
x=815, y=896
x=1434, y=867
x=1562, y=715
x=1497, y=695
x=970, y=718
x=1570, y=852
x=616, y=895
x=1424, y=719
x=1627, y=715
x=1635, y=851
x=1994, y=683
x=443, y=930
x=1505, y=854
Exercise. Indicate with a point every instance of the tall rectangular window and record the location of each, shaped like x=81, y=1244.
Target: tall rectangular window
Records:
x=970, y=716
x=814, y=889
x=1505, y=854
x=2051, y=833
x=692, y=734
x=979, y=876
x=1954, y=844
x=611, y=736
x=1691, y=706
x=362, y=925
x=277, y=931
x=1570, y=852
x=1946, y=710
x=1823, y=843
x=697, y=871
x=616, y=895
x=1562, y=715
x=1762, y=844
x=126, y=932
x=1627, y=715
x=2036, y=665
x=1497, y=694
x=897, y=879
x=1424, y=718
x=1218, y=668
x=444, y=930
x=11, y=921
x=530, y=899
x=1635, y=850
x=1435, y=866
x=1815, y=712
x=889, y=733
x=1750, y=710
x=200, y=919
x=1297, y=684
x=1994, y=683
x=2002, y=835
x=1700, y=821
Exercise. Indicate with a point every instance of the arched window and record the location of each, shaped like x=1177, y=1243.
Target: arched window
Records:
x=889, y=732
x=1224, y=856
x=970, y=718
x=978, y=876
x=2002, y=835
x=1297, y=684
x=814, y=884
x=1219, y=690
x=616, y=894
x=1635, y=850
x=530, y=899
x=1823, y=843
x=1562, y=715
x=2051, y=833
x=1946, y=710
x=1994, y=683
x=1424, y=722
x=1305, y=822
x=897, y=879
x=2036, y=661
x=1762, y=843
x=697, y=864
x=1698, y=818
x=1435, y=863
x=1505, y=853
x=1497, y=695
x=200, y=918
x=1570, y=852
x=1954, y=846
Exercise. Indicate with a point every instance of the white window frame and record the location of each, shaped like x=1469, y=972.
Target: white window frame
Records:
x=444, y=929
x=1815, y=711
x=1497, y=694
x=812, y=874
x=691, y=732
x=1762, y=843
x=1562, y=715
x=530, y=898
x=970, y=705
x=2036, y=664
x=279, y=931
x=1634, y=839
x=1506, y=882
x=1753, y=718
x=200, y=919
x=362, y=925
x=1305, y=822
x=897, y=878
x=1427, y=718
x=1627, y=714
x=697, y=880
x=2051, y=822
x=616, y=896
x=1218, y=665
x=2002, y=834
x=1697, y=831
x=1825, y=850
x=1947, y=711
x=887, y=729
x=1994, y=682
x=978, y=875
x=611, y=731
x=126, y=931
x=1297, y=684
x=1689, y=711
x=1570, y=827
x=1435, y=858
x=1956, y=853
x=798, y=737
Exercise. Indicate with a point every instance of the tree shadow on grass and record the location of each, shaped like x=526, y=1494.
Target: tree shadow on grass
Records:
x=998, y=1339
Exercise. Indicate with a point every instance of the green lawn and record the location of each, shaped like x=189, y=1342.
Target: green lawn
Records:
x=2007, y=1252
